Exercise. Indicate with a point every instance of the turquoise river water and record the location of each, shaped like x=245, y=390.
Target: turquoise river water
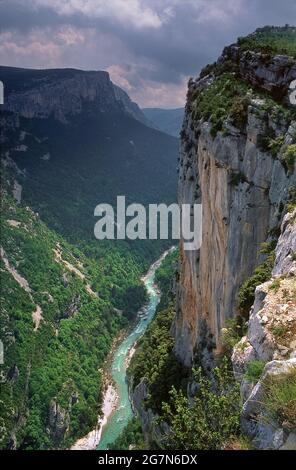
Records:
x=123, y=413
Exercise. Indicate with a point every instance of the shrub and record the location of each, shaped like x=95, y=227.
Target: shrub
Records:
x=246, y=293
x=289, y=156
x=291, y=205
x=254, y=370
x=237, y=178
x=212, y=419
x=232, y=333
x=275, y=145
x=276, y=284
x=239, y=111
x=218, y=100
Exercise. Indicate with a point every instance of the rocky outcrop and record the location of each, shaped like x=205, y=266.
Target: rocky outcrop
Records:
x=271, y=339
x=268, y=72
x=59, y=421
x=257, y=421
x=152, y=431
x=138, y=397
x=243, y=188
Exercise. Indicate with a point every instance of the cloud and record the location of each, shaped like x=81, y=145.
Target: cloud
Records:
x=150, y=47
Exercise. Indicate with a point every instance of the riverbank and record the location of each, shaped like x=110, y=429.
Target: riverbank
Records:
x=92, y=439
x=116, y=408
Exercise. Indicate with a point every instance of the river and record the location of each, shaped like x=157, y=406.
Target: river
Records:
x=123, y=412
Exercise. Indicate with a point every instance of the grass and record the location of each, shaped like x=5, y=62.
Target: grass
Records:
x=278, y=331
x=280, y=398
x=271, y=40
x=276, y=284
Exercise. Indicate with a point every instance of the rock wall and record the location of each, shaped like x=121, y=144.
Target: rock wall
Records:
x=271, y=339
x=62, y=97
x=242, y=189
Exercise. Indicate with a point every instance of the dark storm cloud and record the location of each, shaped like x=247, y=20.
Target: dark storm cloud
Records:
x=149, y=46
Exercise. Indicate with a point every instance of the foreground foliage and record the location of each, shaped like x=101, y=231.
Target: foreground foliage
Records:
x=210, y=419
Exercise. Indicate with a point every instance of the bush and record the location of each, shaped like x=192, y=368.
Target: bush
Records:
x=246, y=294
x=289, y=156
x=239, y=111
x=254, y=370
x=212, y=419
x=237, y=178
x=291, y=205
x=275, y=145
x=224, y=97
x=232, y=333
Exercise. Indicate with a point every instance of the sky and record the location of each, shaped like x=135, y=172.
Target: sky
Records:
x=149, y=47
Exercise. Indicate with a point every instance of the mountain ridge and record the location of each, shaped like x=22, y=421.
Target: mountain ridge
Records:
x=31, y=92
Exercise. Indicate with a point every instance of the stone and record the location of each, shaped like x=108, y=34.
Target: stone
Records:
x=290, y=443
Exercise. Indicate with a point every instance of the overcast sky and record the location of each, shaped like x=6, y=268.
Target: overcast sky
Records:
x=149, y=47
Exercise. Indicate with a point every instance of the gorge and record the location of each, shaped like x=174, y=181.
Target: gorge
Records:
x=216, y=366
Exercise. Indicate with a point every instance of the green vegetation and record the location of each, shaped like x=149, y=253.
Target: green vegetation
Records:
x=246, y=294
x=275, y=145
x=225, y=98
x=280, y=398
x=237, y=178
x=131, y=438
x=232, y=333
x=289, y=156
x=254, y=370
x=276, y=284
x=60, y=361
x=154, y=360
x=271, y=40
x=278, y=331
x=165, y=278
x=291, y=204
x=213, y=417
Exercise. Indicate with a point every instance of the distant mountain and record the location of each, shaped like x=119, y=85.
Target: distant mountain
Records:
x=61, y=92
x=166, y=120
x=79, y=140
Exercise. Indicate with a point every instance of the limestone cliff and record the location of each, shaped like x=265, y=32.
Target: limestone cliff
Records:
x=64, y=93
x=271, y=342
x=237, y=135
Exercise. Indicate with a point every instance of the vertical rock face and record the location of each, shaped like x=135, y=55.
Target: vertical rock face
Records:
x=242, y=187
